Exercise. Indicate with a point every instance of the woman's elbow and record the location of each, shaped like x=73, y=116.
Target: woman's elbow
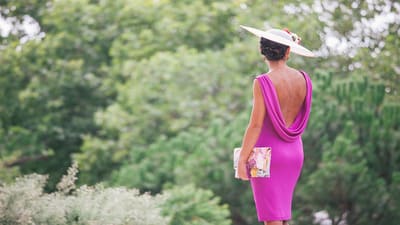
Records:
x=254, y=126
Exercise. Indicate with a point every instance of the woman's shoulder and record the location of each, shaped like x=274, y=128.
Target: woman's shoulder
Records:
x=300, y=74
x=291, y=73
x=261, y=75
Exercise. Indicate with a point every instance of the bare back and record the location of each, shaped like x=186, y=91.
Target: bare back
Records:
x=290, y=87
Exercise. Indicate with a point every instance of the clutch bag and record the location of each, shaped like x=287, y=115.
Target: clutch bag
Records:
x=258, y=163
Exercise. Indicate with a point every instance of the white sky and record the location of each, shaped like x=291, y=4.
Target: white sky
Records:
x=335, y=44
x=29, y=26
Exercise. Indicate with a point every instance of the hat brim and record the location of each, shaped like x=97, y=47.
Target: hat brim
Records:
x=294, y=47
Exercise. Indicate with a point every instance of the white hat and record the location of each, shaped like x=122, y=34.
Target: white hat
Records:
x=281, y=37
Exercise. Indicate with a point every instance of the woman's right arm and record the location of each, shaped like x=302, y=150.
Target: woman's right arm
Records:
x=253, y=129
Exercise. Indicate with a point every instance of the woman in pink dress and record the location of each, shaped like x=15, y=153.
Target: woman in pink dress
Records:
x=281, y=107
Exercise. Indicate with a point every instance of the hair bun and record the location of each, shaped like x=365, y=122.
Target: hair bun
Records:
x=271, y=50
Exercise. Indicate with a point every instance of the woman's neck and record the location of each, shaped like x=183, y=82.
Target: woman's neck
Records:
x=276, y=65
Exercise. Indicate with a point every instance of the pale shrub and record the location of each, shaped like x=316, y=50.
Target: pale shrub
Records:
x=98, y=205
x=25, y=203
x=67, y=182
x=17, y=200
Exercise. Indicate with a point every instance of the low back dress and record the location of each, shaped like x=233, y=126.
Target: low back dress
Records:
x=273, y=195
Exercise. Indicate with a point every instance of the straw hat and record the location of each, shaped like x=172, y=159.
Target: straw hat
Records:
x=282, y=37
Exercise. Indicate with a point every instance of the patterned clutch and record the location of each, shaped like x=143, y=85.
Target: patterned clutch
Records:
x=258, y=163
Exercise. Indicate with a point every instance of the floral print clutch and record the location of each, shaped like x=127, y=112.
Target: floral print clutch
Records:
x=258, y=163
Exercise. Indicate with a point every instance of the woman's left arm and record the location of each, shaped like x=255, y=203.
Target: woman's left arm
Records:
x=253, y=129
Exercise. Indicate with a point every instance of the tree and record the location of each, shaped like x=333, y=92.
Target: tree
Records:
x=50, y=90
x=356, y=176
x=191, y=90
x=144, y=93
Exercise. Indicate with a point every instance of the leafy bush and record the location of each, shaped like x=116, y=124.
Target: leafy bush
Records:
x=190, y=206
x=351, y=148
x=198, y=156
x=24, y=202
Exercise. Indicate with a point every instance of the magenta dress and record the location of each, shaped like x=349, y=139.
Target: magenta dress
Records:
x=273, y=195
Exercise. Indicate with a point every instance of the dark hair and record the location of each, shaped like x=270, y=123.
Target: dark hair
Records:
x=272, y=50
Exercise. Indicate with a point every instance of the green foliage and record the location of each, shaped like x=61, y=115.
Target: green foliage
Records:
x=50, y=90
x=24, y=202
x=353, y=177
x=200, y=156
x=155, y=94
x=191, y=90
x=189, y=205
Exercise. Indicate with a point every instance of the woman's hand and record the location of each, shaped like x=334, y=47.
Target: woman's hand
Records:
x=242, y=170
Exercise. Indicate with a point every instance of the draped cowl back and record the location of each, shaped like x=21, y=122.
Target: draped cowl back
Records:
x=291, y=133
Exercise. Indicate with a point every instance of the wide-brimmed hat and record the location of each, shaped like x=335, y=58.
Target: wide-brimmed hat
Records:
x=282, y=37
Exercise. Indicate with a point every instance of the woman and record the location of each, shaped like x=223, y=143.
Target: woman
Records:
x=281, y=107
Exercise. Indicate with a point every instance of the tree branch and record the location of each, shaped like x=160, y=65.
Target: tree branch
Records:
x=26, y=159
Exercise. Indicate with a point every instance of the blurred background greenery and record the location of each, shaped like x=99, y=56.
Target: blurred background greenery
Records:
x=154, y=95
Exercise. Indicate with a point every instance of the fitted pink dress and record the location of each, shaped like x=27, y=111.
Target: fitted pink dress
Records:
x=273, y=195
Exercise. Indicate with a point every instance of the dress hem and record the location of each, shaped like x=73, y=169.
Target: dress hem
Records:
x=269, y=219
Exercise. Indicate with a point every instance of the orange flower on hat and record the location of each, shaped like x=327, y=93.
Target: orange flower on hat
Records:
x=295, y=37
x=287, y=30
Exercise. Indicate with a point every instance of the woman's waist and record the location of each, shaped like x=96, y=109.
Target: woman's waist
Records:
x=270, y=141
